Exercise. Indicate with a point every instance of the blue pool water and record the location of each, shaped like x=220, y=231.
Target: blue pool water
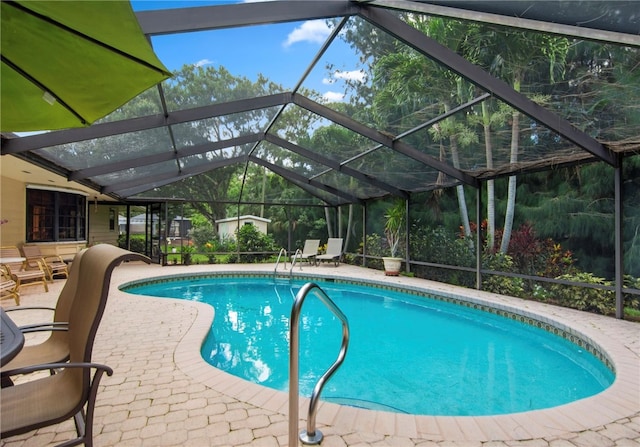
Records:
x=407, y=353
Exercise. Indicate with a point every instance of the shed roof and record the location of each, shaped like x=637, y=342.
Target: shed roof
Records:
x=246, y=217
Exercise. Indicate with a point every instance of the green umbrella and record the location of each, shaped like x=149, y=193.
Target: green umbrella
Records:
x=68, y=63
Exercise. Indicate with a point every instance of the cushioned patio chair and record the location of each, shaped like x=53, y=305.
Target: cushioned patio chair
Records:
x=53, y=264
x=72, y=391
x=19, y=272
x=8, y=287
x=54, y=349
x=334, y=251
x=309, y=251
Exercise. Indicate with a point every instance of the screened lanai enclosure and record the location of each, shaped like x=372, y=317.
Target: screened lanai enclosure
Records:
x=507, y=133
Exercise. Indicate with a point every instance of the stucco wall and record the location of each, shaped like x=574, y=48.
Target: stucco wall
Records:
x=100, y=230
x=13, y=232
x=12, y=209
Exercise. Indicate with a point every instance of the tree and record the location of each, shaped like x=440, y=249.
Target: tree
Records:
x=517, y=57
x=194, y=86
x=408, y=86
x=336, y=142
x=576, y=205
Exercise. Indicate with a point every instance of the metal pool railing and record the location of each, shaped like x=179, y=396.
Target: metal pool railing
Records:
x=310, y=435
x=294, y=259
x=282, y=252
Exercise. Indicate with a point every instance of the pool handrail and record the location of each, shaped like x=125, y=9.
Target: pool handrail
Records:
x=294, y=259
x=282, y=250
x=310, y=435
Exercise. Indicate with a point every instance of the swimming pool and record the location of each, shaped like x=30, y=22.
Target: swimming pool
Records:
x=459, y=360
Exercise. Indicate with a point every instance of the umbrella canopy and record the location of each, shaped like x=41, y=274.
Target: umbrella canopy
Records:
x=68, y=63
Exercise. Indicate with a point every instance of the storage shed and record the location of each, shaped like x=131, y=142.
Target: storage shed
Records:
x=226, y=228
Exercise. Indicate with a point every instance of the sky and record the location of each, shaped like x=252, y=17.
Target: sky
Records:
x=281, y=52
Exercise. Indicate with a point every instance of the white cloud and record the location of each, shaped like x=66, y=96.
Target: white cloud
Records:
x=314, y=31
x=202, y=62
x=333, y=96
x=354, y=75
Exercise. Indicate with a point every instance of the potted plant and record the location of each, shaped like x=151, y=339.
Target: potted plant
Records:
x=187, y=251
x=210, y=249
x=393, y=226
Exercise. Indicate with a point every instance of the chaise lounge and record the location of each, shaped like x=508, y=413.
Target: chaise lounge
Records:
x=309, y=251
x=18, y=270
x=53, y=264
x=334, y=251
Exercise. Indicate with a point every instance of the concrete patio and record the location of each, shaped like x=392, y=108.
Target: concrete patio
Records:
x=162, y=392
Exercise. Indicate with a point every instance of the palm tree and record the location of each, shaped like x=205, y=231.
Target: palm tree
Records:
x=394, y=224
x=404, y=78
x=516, y=57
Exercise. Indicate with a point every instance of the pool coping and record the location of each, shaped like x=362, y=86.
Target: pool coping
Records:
x=618, y=401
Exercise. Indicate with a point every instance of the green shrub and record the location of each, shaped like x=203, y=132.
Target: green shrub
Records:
x=350, y=258
x=136, y=243
x=585, y=298
x=540, y=292
x=631, y=302
x=440, y=246
x=230, y=259
x=202, y=234
x=375, y=247
x=437, y=245
x=252, y=240
x=227, y=244
x=504, y=285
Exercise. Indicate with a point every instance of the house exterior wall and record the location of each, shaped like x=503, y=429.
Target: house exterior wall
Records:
x=13, y=210
x=103, y=224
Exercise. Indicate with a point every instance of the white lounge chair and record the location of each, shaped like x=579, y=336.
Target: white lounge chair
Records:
x=334, y=251
x=309, y=251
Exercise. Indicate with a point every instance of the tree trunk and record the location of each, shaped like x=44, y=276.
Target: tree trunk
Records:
x=327, y=218
x=462, y=203
x=491, y=196
x=511, y=194
x=347, y=236
x=264, y=190
x=339, y=213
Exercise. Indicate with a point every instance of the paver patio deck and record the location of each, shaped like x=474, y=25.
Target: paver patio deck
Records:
x=162, y=392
